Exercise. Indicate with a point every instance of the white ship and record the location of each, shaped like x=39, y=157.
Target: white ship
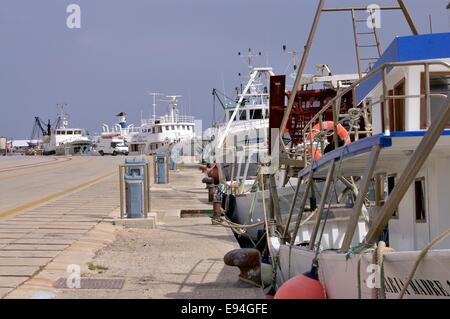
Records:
x=64, y=140
x=237, y=145
x=161, y=134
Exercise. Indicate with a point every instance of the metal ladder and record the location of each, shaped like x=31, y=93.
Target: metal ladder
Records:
x=358, y=46
x=320, y=10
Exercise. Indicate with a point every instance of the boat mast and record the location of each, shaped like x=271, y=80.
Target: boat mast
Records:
x=173, y=106
x=255, y=73
x=63, y=120
x=154, y=102
x=250, y=56
x=321, y=9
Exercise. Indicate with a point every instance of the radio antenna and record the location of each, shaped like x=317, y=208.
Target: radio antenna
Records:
x=250, y=56
x=294, y=58
x=154, y=102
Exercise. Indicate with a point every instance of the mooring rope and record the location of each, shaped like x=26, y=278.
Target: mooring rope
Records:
x=420, y=258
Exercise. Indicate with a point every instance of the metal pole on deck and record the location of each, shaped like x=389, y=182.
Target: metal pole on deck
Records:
x=364, y=187
x=408, y=17
x=386, y=102
x=291, y=209
x=302, y=66
x=427, y=96
x=323, y=200
x=302, y=208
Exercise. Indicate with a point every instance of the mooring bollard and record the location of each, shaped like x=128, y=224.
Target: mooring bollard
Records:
x=211, y=190
x=248, y=260
x=217, y=211
x=217, y=207
x=210, y=187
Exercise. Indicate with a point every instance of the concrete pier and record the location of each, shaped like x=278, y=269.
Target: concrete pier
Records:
x=59, y=216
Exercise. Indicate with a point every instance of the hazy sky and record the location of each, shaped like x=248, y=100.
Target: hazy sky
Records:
x=126, y=49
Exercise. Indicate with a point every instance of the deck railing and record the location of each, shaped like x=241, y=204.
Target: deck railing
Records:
x=169, y=119
x=365, y=107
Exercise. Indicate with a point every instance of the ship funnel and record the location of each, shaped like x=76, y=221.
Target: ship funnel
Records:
x=122, y=120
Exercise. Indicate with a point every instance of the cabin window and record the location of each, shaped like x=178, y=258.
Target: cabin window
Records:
x=231, y=114
x=69, y=132
x=397, y=108
x=420, y=202
x=439, y=84
x=243, y=115
x=173, y=127
x=58, y=132
x=78, y=132
x=256, y=114
x=390, y=180
x=167, y=128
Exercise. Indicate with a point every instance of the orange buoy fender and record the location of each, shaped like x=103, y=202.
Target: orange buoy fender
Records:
x=328, y=125
x=301, y=287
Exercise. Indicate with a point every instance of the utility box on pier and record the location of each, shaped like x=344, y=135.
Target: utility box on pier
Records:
x=173, y=164
x=134, y=189
x=134, y=196
x=162, y=168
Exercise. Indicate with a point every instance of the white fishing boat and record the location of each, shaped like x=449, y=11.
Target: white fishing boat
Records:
x=64, y=140
x=161, y=134
x=242, y=186
x=241, y=140
x=392, y=238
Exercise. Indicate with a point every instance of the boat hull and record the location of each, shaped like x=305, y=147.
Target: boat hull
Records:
x=339, y=274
